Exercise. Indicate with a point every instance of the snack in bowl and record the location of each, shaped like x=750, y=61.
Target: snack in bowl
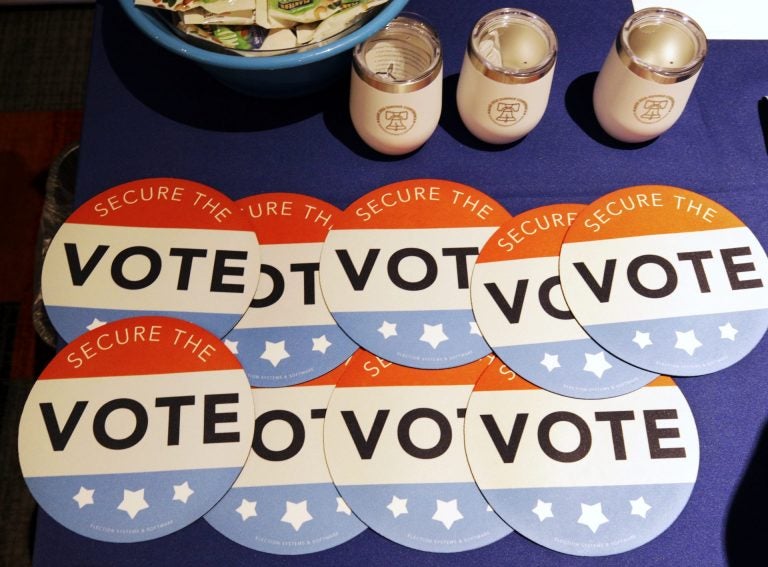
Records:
x=265, y=27
x=283, y=74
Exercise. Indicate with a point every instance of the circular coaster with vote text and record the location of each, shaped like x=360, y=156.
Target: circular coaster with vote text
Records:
x=287, y=335
x=284, y=502
x=136, y=429
x=521, y=311
x=666, y=279
x=157, y=246
x=583, y=477
x=394, y=443
x=395, y=271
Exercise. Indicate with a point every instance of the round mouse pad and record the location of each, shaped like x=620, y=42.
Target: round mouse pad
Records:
x=584, y=477
x=287, y=335
x=395, y=271
x=394, y=443
x=521, y=311
x=136, y=429
x=284, y=501
x=666, y=279
x=159, y=246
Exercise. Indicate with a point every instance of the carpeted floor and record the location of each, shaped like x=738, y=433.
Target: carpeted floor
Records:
x=44, y=53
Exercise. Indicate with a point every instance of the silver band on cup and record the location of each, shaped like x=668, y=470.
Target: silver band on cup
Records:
x=403, y=57
x=661, y=45
x=512, y=31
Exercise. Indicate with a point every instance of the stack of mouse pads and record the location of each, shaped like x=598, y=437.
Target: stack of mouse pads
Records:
x=423, y=364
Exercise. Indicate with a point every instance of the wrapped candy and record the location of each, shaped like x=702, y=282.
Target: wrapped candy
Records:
x=212, y=6
x=265, y=27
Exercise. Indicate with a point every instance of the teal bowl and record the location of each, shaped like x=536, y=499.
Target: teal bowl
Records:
x=269, y=76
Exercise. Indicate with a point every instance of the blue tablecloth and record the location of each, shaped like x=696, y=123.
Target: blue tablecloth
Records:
x=148, y=113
